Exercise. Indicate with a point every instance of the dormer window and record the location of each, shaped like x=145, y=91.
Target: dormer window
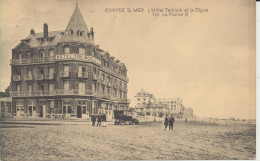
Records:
x=69, y=32
x=80, y=33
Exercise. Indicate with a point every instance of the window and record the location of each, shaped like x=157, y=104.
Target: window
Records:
x=41, y=55
x=50, y=87
x=66, y=68
x=51, y=71
x=84, y=110
x=20, y=107
x=30, y=87
x=29, y=56
x=80, y=33
x=115, y=93
x=138, y=99
x=70, y=32
x=144, y=99
x=103, y=90
x=82, y=51
x=51, y=53
x=18, y=87
x=66, y=50
x=66, y=85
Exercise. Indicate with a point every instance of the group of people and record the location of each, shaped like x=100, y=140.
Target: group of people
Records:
x=99, y=118
x=169, y=121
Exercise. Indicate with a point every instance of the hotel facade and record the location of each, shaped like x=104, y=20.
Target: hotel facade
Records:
x=64, y=74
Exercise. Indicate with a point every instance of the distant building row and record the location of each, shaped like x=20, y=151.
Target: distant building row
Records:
x=145, y=103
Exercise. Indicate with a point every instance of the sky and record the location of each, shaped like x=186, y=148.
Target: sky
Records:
x=207, y=59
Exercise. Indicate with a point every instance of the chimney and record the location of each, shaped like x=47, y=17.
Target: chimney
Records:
x=92, y=33
x=45, y=31
x=32, y=32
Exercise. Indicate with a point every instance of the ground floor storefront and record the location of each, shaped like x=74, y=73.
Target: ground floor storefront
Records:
x=65, y=107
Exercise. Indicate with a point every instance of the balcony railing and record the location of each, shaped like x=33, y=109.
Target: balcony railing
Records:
x=40, y=77
x=16, y=77
x=35, y=60
x=28, y=77
x=49, y=76
x=82, y=74
x=32, y=93
x=59, y=92
x=64, y=74
x=106, y=96
x=72, y=92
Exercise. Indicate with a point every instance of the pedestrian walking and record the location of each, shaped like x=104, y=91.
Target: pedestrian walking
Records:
x=171, y=121
x=99, y=119
x=166, y=122
x=93, y=119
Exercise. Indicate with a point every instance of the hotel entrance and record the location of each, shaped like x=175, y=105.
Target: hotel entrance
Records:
x=82, y=109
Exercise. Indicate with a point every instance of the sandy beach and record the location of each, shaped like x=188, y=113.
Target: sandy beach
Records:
x=147, y=141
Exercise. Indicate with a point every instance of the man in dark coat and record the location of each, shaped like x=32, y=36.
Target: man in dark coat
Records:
x=93, y=119
x=104, y=117
x=166, y=122
x=171, y=122
x=99, y=119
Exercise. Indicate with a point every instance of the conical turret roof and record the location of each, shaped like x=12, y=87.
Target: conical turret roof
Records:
x=74, y=27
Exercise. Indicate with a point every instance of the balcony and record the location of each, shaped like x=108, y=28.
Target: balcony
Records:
x=16, y=78
x=123, y=100
x=82, y=75
x=35, y=93
x=57, y=92
x=28, y=77
x=40, y=77
x=64, y=74
x=106, y=96
x=49, y=76
x=35, y=60
x=20, y=61
x=72, y=92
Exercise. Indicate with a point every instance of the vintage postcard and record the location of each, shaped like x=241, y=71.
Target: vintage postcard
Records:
x=128, y=80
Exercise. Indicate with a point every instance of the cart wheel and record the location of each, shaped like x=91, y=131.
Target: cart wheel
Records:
x=136, y=122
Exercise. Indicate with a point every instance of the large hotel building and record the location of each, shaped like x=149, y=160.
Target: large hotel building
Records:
x=64, y=74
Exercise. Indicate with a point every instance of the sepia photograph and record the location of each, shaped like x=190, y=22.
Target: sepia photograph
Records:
x=127, y=80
